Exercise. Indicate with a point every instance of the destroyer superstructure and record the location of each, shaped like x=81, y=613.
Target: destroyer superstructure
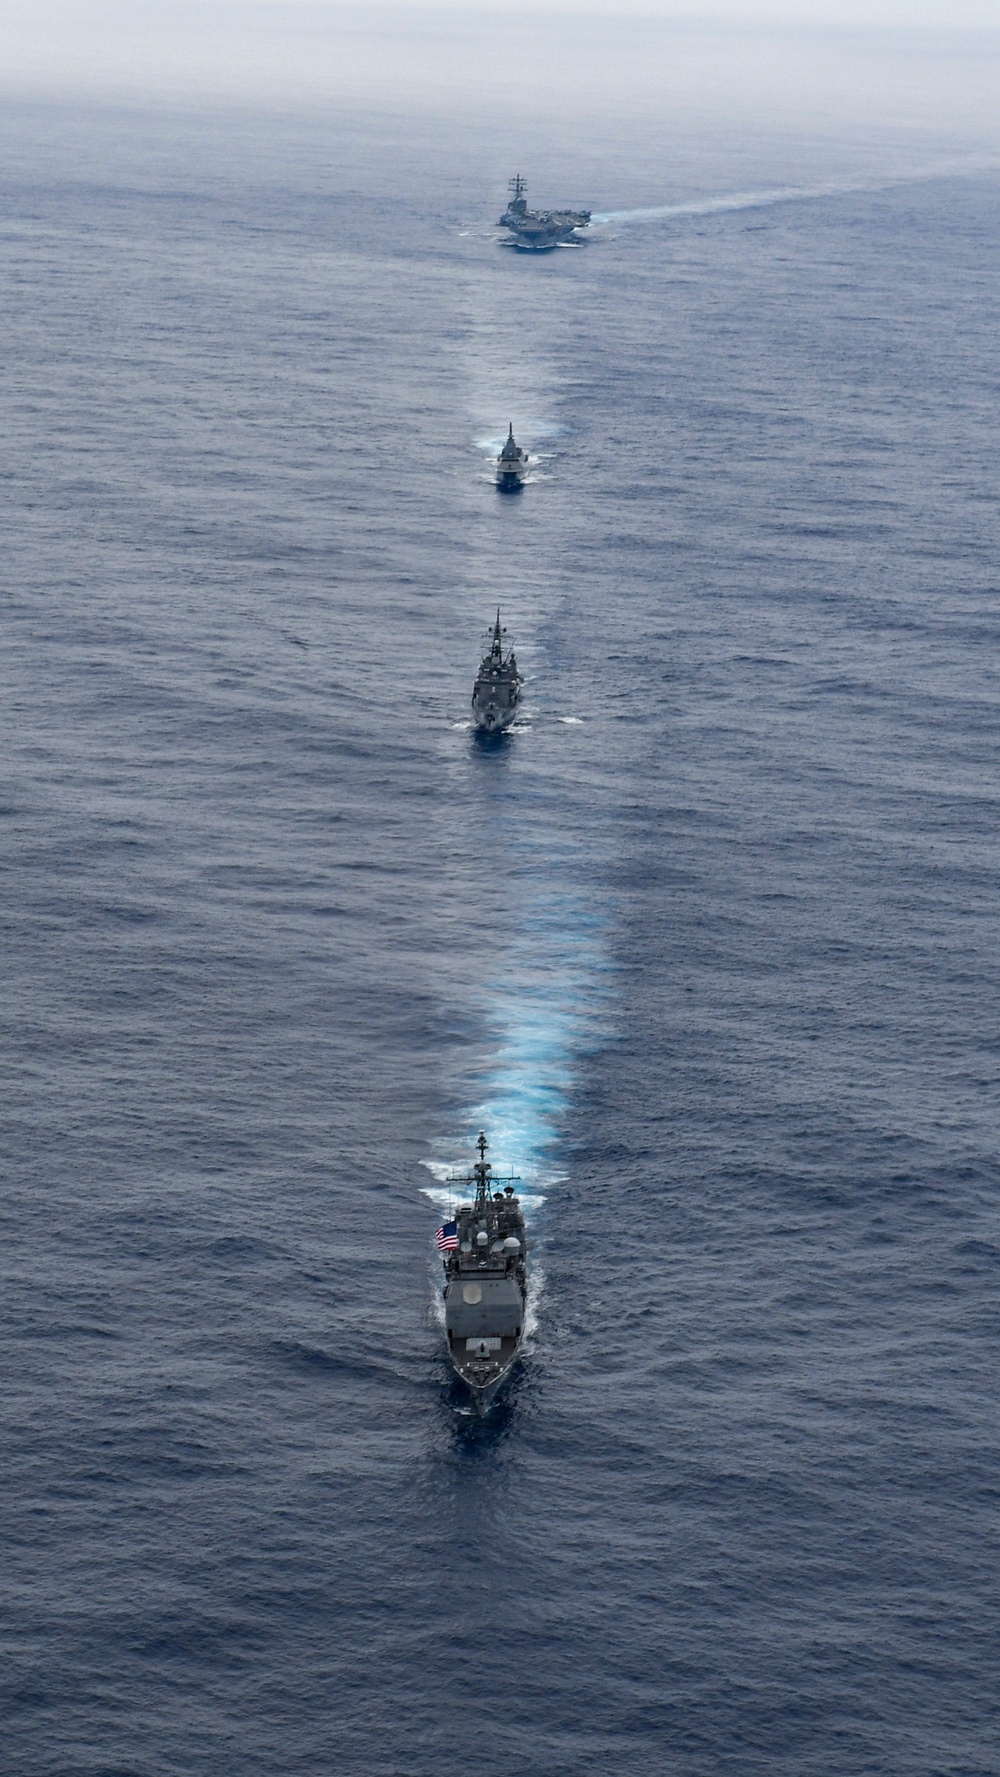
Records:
x=497, y=690
x=486, y=1284
x=512, y=464
x=535, y=231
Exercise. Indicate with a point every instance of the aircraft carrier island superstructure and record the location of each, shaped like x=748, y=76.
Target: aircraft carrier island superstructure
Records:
x=486, y=1285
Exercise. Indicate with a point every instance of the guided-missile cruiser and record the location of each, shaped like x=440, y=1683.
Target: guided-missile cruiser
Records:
x=535, y=231
x=497, y=690
x=485, y=1277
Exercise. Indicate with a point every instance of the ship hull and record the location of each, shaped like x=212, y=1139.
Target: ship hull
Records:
x=492, y=720
x=483, y=1372
x=484, y=1323
x=539, y=243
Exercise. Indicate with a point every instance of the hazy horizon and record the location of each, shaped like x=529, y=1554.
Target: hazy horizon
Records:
x=777, y=64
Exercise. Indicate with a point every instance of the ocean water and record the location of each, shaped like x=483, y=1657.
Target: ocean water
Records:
x=709, y=946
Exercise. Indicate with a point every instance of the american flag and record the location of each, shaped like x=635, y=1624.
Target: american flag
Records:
x=447, y=1237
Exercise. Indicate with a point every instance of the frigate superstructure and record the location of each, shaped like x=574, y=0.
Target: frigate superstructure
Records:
x=535, y=231
x=512, y=464
x=485, y=1277
x=497, y=690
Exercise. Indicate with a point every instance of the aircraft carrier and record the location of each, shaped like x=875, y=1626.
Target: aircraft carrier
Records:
x=537, y=231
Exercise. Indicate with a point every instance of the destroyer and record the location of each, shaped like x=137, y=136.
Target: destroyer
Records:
x=485, y=1281
x=535, y=231
x=497, y=689
x=512, y=464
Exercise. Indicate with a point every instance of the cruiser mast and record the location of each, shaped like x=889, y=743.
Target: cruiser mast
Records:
x=481, y=1171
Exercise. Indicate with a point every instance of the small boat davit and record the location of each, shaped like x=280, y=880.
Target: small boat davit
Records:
x=497, y=690
x=485, y=1279
x=512, y=464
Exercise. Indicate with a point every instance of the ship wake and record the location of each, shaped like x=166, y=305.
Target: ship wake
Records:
x=788, y=194
x=549, y=1008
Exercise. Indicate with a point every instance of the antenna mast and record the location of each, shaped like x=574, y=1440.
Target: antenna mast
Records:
x=481, y=1170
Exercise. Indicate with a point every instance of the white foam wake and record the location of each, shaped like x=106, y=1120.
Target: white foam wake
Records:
x=785, y=194
x=547, y=1008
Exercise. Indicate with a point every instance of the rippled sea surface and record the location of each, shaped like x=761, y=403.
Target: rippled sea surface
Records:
x=709, y=947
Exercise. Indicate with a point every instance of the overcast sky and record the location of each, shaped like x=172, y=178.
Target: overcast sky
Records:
x=976, y=14
x=914, y=60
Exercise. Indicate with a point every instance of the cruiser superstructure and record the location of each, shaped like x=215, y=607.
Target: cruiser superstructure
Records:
x=535, y=231
x=485, y=1277
x=497, y=690
x=512, y=464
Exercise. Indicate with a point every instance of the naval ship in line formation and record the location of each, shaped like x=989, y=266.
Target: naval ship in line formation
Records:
x=512, y=465
x=485, y=1247
x=497, y=690
x=485, y=1279
x=538, y=231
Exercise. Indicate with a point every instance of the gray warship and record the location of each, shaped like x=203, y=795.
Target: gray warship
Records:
x=485, y=1279
x=536, y=231
x=512, y=464
x=497, y=689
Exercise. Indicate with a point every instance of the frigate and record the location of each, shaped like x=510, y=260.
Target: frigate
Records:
x=497, y=689
x=512, y=464
x=485, y=1277
x=535, y=231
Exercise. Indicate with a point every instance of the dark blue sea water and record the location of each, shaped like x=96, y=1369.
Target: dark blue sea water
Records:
x=710, y=947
